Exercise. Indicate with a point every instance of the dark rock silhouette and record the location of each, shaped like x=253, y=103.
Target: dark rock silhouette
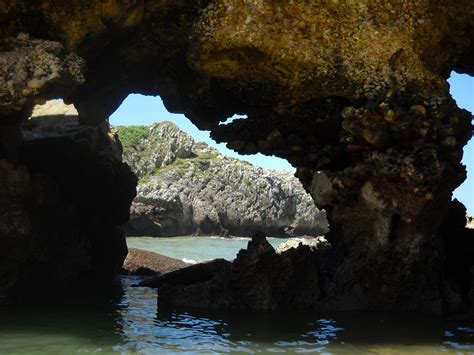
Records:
x=354, y=95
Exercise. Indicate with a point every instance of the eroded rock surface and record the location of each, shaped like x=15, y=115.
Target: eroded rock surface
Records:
x=353, y=93
x=316, y=243
x=189, y=188
x=33, y=67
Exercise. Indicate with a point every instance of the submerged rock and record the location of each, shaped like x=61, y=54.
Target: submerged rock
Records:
x=146, y=263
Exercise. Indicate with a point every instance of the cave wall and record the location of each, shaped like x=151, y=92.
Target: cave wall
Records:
x=63, y=202
x=352, y=93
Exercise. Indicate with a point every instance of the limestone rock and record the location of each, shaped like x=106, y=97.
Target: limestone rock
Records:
x=42, y=69
x=316, y=243
x=187, y=187
x=54, y=108
x=319, y=74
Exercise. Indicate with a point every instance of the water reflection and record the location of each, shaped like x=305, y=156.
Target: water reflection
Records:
x=126, y=321
x=80, y=319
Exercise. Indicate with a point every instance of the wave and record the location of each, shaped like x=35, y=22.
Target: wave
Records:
x=303, y=239
x=230, y=238
x=189, y=261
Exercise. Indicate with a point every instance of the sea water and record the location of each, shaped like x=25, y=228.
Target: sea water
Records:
x=127, y=320
x=195, y=249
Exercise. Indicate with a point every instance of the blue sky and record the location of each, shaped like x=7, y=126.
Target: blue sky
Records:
x=146, y=110
x=462, y=90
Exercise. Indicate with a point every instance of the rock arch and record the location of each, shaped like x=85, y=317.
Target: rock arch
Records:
x=353, y=93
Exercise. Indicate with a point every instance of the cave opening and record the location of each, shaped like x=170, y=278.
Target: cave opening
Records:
x=352, y=95
x=371, y=136
x=462, y=90
x=189, y=185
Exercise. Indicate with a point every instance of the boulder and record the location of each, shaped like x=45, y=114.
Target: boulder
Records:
x=146, y=263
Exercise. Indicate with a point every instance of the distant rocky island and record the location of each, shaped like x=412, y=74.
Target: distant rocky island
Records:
x=189, y=188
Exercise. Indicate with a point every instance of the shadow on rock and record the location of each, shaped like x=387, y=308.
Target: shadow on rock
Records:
x=259, y=279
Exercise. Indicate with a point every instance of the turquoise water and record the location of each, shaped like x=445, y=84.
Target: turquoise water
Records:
x=195, y=249
x=126, y=320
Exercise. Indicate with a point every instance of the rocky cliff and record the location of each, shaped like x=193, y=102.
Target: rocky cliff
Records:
x=189, y=188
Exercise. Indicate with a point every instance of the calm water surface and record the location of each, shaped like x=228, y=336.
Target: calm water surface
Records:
x=126, y=320
x=195, y=249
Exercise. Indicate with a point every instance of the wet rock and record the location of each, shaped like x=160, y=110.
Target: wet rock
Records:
x=146, y=263
x=258, y=280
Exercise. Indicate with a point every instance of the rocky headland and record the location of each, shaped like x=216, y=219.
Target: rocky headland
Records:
x=189, y=188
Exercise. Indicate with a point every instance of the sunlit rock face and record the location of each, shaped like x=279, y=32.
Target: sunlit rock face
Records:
x=189, y=188
x=353, y=93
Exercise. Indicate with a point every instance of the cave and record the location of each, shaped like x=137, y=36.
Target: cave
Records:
x=355, y=96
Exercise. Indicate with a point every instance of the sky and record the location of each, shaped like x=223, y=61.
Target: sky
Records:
x=146, y=110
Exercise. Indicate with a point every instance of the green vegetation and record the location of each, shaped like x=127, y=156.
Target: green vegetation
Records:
x=180, y=166
x=132, y=134
x=248, y=184
x=198, y=165
x=204, y=162
x=206, y=157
